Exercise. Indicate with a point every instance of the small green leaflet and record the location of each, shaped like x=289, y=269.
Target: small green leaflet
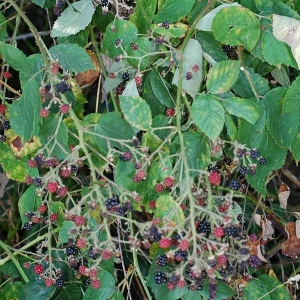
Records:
x=236, y=26
x=208, y=114
x=222, y=76
x=74, y=18
x=192, y=65
x=26, y=203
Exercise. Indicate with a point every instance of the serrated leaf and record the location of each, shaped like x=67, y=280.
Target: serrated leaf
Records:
x=41, y=3
x=282, y=127
x=291, y=100
x=172, y=12
x=27, y=203
x=277, y=290
x=16, y=59
x=71, y=291
x=210, y=45
x=10, y=269
x=136, y=112
x=53, y=132
x=255, y=290
x=246, y=109
x=100, y=19
x=72, y=57
x=37, y=290
x=231, y=127
x=160, y=89
x=3, y=32
x=230, y=22
x=208, y=115
x=111, y=125
x=269, y=7
x=106, y=290
x=80, y=38
x=131, y=89
x=250, y=84
x=24, y=112
x=74, y=18
x=222, y=76
x=192, y=56
x=197, y=150
x=121, y=30
x=280, y=75
x=64, y=233
x=11, y=290
x=206, y=22
x=274, y=51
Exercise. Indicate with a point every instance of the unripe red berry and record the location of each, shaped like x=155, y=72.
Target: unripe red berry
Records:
x=164, y=243
x=7, y=75
x=38, y=269
x=44, y=112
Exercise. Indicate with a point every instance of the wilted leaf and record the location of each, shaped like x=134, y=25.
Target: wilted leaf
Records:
x=283, y=195
x=260, y=255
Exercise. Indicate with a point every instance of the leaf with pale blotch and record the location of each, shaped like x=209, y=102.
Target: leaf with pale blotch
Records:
x=283, y=194
x=192, y=68
x=287, y=30
x=236, y=26
x=208, y=115
x=244, y=108
x=205, y=22
x=136, y=112
x=131, y=89
x=255, y=290
x=169, y=210
x=74, y=18
x=222, y=76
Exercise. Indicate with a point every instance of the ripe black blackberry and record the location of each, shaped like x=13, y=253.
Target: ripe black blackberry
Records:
x=125, y=76
x=254, y=153
x=39, y=160
x=126, y=156
x=59, y=282
x=162, y=260
x=160, y=278
x=262, y=160
x=72, y=250
x=27, y=226
x=243, y=170
x=180, y=255
x=6, y=125
x=118, y=42
x=230, y=51
x=93, y=253
x=104, y=3
x=240, y=217
x=165, y=24
x=230, y=231
x=29, y=215
x=58, y=7
x=2, y=138
x=88, y=282
x=121, y=210
x=234, y=185
x=203, y=227
x=73, y=169
x=213, y=168
x=62, y=87
x=254, y=261
x=37, y=181
x=157, y=238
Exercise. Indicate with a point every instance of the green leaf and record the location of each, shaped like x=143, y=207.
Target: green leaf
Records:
x=206, y=21
x=277, y=290
x=143, y=45
x=54, y=134
x=24, y=112
x=41, y=3
x=37, y=63
x=274, y=51
x=106, y=290
x=250, y=84
x=197, y=150
x=14, y=168
x=16, y=59
x=223, y=290
x=72, y=57
x=208, y=115
x=3, y=32
x=10, y=269
x=27, y=203
x=246, y=109
x=222, y=76
x=160, y=89
x=210, y=45
x=64, y=233
x=124, y=173
x=11, y=290
x=230, y=22
x=269, y=7
x=296, y=147
x=255, y=290
x=280, y=75
x=136, y=112
x=138, y=18
x=172, y=12
x=71, y=291
x=80, y=38
x=192, y=56
x=282, y=127
x=257, y=136
x=74, y=18
x=121, y=30
x=291, y=100
x=36, y=290
x=101, y=20
x=231, y=127
x=112, y=126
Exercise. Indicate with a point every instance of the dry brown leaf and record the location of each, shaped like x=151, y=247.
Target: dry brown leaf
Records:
x=283, y=195
x=267, y=230
x=291, y=247
x=260, y=255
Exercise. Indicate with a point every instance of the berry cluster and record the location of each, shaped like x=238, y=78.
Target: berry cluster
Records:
x=57, y=9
